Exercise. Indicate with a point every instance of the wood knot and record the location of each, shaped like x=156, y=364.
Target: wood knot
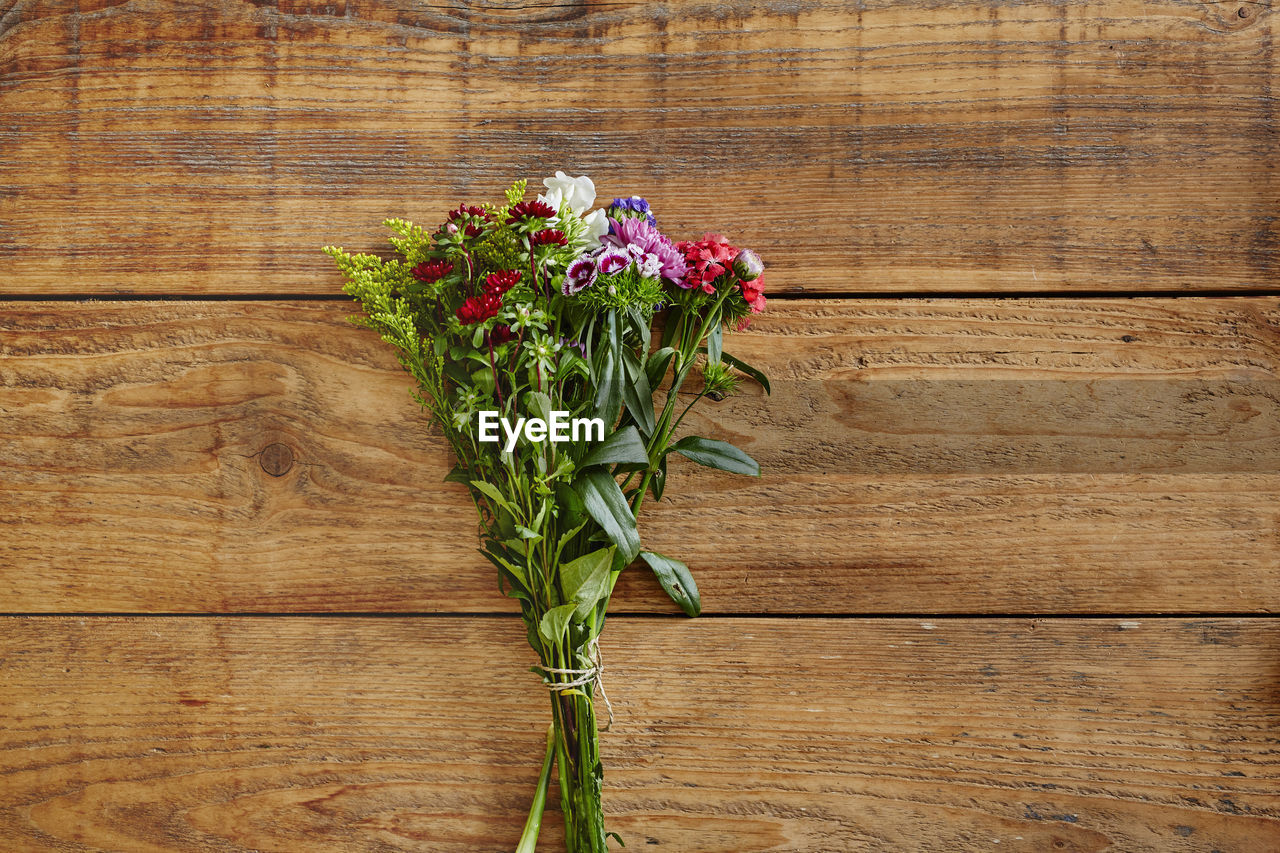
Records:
x=276, y=459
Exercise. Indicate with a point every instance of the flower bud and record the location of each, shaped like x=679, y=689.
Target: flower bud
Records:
x=452, y=228
x=747, y=265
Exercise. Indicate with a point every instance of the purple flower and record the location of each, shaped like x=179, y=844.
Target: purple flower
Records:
x=581, y=274
x=632, y=208
x=638, y=232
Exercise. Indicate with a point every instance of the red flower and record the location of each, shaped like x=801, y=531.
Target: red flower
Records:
x=707, y=259
x=477, y=309
x=548, y=237
x=500, y=335
x=531, y=210
x=499, y=283
x=430, y=271
x=753, y=293
x=465, y=210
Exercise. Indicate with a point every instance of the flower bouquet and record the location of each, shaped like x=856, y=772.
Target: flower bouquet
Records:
x=551, y=344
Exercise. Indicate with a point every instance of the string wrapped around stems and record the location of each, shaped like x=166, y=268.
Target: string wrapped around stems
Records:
x=581, y=678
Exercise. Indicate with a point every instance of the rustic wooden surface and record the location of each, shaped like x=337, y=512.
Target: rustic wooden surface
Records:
x=324, y=734
x=920, y=456
x=940, y=465
x=209, y=147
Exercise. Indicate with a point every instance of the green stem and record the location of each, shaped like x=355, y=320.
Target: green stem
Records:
x=532, y=826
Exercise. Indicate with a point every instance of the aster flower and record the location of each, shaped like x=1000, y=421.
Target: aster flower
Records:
x=548, y=237
x=499, y=283
x=531, y=210
x=648, y=240
x=431, y=271
x=477, y=309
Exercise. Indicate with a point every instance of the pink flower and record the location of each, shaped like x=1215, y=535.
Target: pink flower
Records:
x=647, y=240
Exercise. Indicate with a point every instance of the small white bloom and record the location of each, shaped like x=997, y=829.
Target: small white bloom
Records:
x=579, y=193
x=597, y=225
x=650, y=265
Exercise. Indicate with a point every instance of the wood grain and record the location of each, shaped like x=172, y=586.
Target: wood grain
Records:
x=324, y=734
x=213, y=146
x=951, y=456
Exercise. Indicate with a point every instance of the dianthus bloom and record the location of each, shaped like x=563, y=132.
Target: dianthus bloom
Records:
x=498, y=283
x=530, y=210
x=477, y=309
x=753, y=293
x=707, y=259
x=647, y=240
x=580, y=275
x=432, y=271
x=548, y=237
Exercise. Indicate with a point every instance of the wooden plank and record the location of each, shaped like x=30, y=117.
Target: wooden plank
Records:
x=215, y=734
x=906, y=146
x=956, y=456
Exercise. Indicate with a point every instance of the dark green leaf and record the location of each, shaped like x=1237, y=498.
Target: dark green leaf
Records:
x=715, y=344
x=754, y=373
x=636, y=392
x=675, y=578
x=585, y=580
x=458, y=474
x=656, y=366
x=624, y=447
x=605, y=503
x=717, y=454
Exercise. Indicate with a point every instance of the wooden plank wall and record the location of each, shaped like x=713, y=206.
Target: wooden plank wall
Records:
x=1009, y=582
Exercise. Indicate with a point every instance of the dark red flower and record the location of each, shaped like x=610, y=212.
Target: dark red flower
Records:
x=500, y=335
x=477, y=309
x=499, y=283
x=531, y=210
x=430, y=271
x=548, y=237
x=465, y=210
x=473, y=231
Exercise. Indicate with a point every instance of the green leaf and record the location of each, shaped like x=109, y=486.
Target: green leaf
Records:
x=675, y=578
x=754, y=373
x=636, y=392
x=608, y=399
x=458, y=474
x=526, y=533
x=658, y=483
x=717, y=454
x=490, y=491
x=624, y=447
x=538, y=404
x=605, y=503
x=656, y=366
x=585, y=580
x=715, y=344
x=555, y=622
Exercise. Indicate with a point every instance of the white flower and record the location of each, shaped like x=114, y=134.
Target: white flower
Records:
x=578, y=193
x=597, y=225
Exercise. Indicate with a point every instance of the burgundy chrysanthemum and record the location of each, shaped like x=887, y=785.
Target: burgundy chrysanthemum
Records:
x=477, y=309
x=500, y=335
x=548, y=237
x=431, y=271
x=499, y=283
x=465, y=210
x=531, y=210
